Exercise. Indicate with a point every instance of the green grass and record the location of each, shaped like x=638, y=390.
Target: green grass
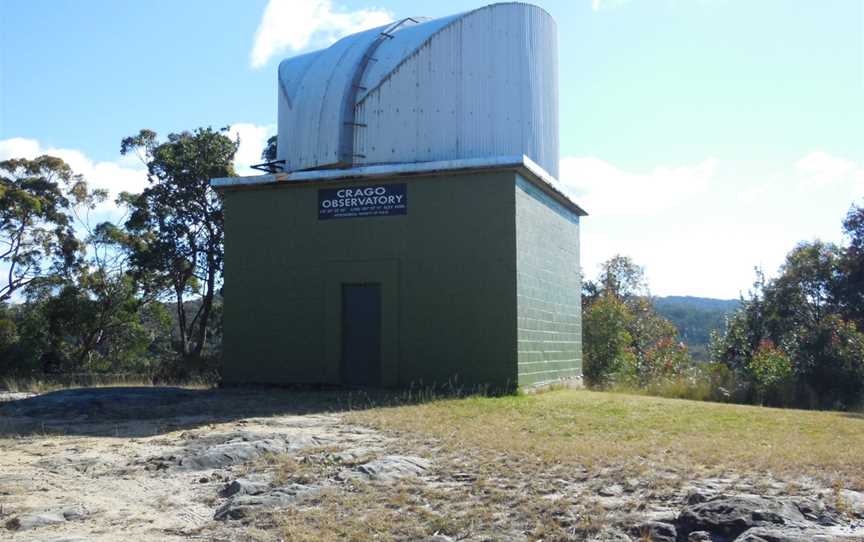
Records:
x=595, y=429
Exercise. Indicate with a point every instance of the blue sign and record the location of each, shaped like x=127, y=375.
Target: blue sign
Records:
x=360, y=201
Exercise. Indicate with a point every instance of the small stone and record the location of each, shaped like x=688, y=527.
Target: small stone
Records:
x=203, y=480
x=610, y=534
x=656, y=531
x=699, y=536
x=615, y=490
x=243, y=487
x=73, y=513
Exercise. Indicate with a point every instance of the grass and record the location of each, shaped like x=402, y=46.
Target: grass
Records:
x=62, y=382
x=639, y=433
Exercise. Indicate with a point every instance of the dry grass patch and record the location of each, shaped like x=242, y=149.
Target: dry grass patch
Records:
x=65, y=382
x=366, y=512
x=599, y=430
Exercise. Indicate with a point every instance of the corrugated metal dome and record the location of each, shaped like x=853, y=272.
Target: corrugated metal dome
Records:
x=479, y=84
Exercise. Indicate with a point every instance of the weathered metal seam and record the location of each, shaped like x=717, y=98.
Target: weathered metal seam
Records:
x=345, y=153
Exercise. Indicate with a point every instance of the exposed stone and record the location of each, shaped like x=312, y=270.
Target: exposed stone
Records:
x=610, y=534
x=353, y=455
x=731, y=516
x=656, y=531
x=26, y=522
x=393, y=467
x=699, y=536
x=34, y=521
x=613, y=490
x=697, y=496
x=230, y=454
x=218, y=451
x=73, y=513
x=243, y=487
x=101, y=403
x=242, y=506
x=765, y=534
x=853, y=502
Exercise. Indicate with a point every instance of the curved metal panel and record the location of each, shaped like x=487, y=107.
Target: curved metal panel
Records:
x=312, y=90
x=482, y=83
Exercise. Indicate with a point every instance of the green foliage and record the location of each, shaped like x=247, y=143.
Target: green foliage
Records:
x=770, y=368
x=666, y=359
x=37, y=238
x=174, y=233
x=795, y=342
x=849, y=285
x=625, y=341
x=606, y=340
x=98, y=325
x=92, y=304
x=829, y=365
x=619, y=277
x=269, y=152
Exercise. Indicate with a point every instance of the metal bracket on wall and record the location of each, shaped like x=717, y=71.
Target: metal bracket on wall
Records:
x=276, y=166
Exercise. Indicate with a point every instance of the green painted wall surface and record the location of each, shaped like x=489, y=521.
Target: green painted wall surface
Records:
x=447, y=270
x=549, y=288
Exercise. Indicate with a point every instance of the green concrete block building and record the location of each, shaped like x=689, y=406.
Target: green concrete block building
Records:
x=450, y=258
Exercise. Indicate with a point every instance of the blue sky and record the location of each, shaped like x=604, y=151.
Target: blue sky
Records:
x=705, y=137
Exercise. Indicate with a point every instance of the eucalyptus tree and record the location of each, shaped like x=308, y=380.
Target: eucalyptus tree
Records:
x=174, y=232
x=37, y=234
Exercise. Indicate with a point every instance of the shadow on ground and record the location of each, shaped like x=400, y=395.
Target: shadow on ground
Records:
x=149, y=411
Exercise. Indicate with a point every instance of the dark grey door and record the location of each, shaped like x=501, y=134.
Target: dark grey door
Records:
x=361, y=334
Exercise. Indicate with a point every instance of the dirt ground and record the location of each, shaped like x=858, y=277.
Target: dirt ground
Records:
x=90, y=466
x=175, y=464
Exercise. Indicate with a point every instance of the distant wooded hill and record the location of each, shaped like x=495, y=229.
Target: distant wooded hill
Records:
x=695, y=318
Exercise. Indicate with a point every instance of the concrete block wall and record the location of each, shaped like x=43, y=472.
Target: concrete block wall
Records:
x=446, y=268
x=548, y=288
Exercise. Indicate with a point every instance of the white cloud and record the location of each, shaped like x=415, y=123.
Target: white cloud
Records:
x=253, y=139
x=294, y=25
x=603, y=189
x=18, y=147
x=819, y=169
x=700, y=229
x=126, y=174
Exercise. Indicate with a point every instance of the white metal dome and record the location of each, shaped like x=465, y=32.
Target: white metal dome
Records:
x=479, y=84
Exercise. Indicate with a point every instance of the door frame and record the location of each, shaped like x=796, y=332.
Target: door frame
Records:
x=386, y=274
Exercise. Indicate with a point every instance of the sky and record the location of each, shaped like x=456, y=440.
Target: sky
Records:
x=703, y=137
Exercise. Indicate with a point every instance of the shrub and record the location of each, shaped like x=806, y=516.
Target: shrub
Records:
x=771, y=371
x=829, y=365
x=606, y=340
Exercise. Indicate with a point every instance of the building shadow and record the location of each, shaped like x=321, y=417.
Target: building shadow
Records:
x=134, y=412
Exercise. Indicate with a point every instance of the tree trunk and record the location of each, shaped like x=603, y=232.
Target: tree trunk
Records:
x=181, y=321
x=207, y=304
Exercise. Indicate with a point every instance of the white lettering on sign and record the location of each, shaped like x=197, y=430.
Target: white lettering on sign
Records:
x=364, y=201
